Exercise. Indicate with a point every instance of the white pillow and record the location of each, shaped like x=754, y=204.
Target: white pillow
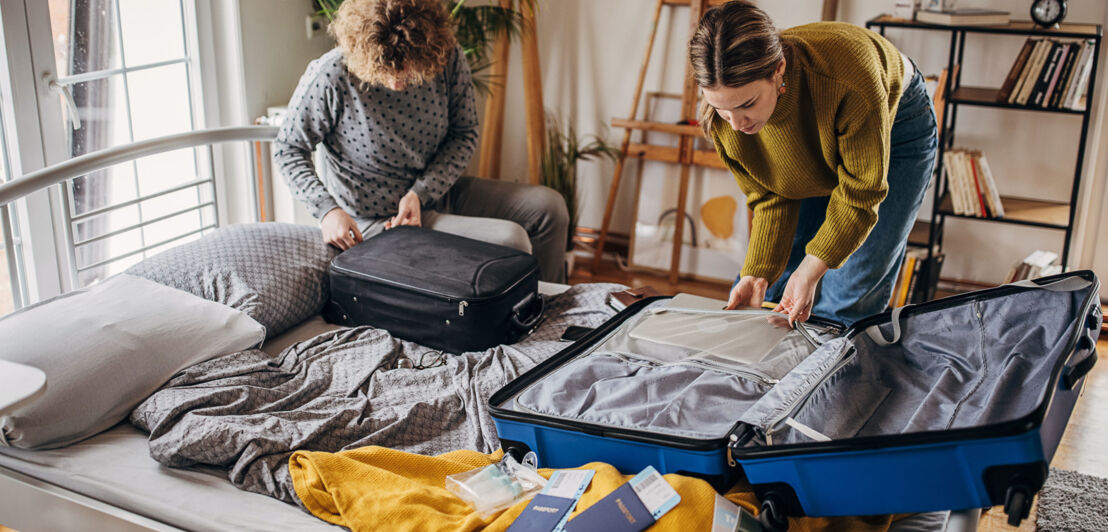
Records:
x=105, y=349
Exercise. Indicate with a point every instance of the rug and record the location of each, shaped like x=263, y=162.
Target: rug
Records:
x=1072, y=501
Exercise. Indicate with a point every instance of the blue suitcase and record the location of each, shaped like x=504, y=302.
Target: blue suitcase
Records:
x=953, y=404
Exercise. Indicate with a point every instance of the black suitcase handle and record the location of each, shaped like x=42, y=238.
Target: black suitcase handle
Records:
x=1072, y=374
x=523, y=323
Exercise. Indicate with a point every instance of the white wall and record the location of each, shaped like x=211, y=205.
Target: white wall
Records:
x=591, y=51
x=275, y=50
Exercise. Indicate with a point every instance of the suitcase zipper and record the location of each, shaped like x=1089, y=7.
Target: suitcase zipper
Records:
x=772, y=426
x=738, y=372
x=462, y=307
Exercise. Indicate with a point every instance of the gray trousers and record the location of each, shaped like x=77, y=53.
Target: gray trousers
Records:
x=529, y=218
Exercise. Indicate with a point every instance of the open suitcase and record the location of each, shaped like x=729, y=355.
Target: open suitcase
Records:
x=953, y=404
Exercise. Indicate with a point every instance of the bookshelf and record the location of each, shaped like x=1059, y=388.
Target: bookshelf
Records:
x=1018, y=211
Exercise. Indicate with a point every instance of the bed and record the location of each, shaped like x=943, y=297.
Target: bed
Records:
x=294, y=390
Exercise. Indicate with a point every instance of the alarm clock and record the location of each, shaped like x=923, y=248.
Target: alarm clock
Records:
x=1048, y=13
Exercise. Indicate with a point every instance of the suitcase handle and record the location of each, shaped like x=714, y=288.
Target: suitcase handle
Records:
x=527, y=324
x=1077, y=371
x=1074, y=373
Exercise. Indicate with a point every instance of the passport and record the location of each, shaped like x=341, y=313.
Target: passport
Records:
x=543, y=514
x=620, y=511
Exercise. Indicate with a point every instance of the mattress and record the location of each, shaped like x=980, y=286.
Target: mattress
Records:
x=115, y=467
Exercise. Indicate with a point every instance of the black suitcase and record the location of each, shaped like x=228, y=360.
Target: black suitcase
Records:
x=437, y=289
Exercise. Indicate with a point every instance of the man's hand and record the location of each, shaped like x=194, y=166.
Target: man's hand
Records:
x=339, y=229
x=748, y=292
x=800, y=291
x=407, y=212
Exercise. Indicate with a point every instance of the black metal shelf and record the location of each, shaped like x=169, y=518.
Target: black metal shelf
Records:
x=1018, y=211
x=1015, y=27
x=987, y=97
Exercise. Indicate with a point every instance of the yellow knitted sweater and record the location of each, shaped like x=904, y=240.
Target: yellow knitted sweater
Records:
x=374, y=488
x=828, y=136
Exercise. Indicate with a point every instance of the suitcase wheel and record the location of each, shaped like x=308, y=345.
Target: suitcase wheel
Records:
x=772, y=517
x=1017, y=504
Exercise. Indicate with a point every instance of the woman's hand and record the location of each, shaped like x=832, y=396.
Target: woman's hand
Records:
x=339, y=229
x=800, y=291
x=407, y=212
x=748, y=292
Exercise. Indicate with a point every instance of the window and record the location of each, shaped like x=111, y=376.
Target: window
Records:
x=126, y=74
x=11, y=282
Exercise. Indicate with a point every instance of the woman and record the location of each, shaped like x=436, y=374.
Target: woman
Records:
x=830, y=133
x=393, y=112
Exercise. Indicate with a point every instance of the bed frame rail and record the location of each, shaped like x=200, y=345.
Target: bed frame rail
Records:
x=98, y=160
x=31, y=504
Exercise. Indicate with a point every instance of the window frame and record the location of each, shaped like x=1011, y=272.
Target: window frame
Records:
x=37, y=132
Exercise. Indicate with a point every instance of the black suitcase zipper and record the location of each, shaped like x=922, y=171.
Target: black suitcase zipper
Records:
x=463, y=302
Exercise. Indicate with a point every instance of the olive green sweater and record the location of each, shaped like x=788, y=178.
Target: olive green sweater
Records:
x=828, y=136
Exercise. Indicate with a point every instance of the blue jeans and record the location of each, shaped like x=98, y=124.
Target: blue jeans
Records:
x=864, y=284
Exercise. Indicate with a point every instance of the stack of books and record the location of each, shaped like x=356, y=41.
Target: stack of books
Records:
x=1049, y=73
x=1038, y=264
x=963, y=17
x=915, y=276
x=970, y=183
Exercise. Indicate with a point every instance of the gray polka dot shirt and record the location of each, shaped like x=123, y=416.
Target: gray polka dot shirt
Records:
x=377, y=144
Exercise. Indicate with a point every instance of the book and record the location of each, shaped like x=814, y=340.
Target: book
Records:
x=1038, y=260
x=1049, y=93
x=1031, y=74
x=1066, y=74
x=951, y=182
x=963, y=17
x=995, y=203
x=927, y=278
x=1051, y=62
x=957, y=186
x=965, y=180
x=1034, y=266
x=1083, y=51
x=978, y=196
x=625, y=298
x=1021, y=80
x=908, y=270
x=1014, y=72
x=939, y=99
x=1081, y=82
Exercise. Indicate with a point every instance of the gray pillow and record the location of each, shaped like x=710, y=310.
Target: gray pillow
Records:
x=274, y=272
x=105, y=349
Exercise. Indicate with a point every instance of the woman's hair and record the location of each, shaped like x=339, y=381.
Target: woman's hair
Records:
x=384, y=38
x=734, y=44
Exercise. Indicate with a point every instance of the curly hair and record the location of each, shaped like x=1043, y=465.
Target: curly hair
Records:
x=383, y=39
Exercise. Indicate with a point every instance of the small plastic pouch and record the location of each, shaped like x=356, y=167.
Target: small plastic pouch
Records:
x=497, y=486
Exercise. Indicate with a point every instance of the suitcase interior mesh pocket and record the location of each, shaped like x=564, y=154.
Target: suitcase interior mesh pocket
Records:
x=619, y=391
x=971, y=365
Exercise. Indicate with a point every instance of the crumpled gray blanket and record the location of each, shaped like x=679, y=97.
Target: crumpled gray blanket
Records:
x=248, y=411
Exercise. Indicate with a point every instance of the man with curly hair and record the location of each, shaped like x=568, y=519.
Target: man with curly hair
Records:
x=393, y=112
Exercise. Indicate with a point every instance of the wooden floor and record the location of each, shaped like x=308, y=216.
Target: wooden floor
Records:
x=1082, y=448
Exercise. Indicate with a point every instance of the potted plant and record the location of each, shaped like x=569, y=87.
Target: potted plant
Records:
x=559, y=166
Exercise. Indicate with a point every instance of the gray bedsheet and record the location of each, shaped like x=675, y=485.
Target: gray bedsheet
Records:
x=249, y=411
